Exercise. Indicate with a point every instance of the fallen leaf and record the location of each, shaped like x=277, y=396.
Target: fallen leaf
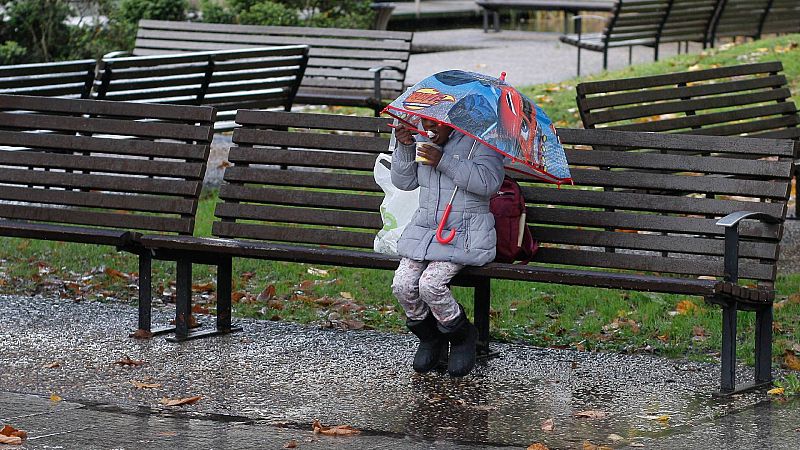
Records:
x=686, y=307
x=659, y=417
x=192, y=321
x=200, y=309
x=548, y=425
x=346, y=295
x=776, y=391
x=354, y=324
x=338, y=430
x=538, y=446
x=637, y=444
x=141, y=385
x=589, y=446
x=10, y=440
x=615, y=438
x=318, y=272
x=591, y=414
x=203, y=287
x=52, y=365
x=790, y=360
x=127, y=361
x=267, y=294
x=180, y=401
x=291, y=444
x=10, y=431
x=55, y=398
x=141, y=334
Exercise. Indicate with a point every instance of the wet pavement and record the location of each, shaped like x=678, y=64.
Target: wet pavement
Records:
x=265, y=386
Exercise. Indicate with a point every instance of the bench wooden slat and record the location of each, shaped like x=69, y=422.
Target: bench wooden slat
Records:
x=646, y=202
x=701, y=121
x=643, y=222
x=105, y=126
x=650, y=242
x=301, y=197
x=312, y=140
x=103, y=164
x=326, y=236
x=250, y=155
x=131, y=147
x=111, y=109
x=672, y=264
x=101, y=182
x=98, y=200
x=237, y=174
x=94, y=218
x=266, y=119
x=308, y=216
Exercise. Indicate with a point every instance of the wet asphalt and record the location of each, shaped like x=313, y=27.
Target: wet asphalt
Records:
x=264, y=386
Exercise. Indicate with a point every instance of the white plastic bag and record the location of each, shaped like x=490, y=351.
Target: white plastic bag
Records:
x=397, y=208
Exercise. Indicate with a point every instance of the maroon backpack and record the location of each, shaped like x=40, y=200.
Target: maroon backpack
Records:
x=514, y=239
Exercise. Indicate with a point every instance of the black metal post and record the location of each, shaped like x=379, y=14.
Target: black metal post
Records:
x=145, y=290
x=728, y=376
x=224, y=283
x=183, y=302
x=764, y=344
x=481, y=307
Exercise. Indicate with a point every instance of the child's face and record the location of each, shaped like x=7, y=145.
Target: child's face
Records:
x=441, y=133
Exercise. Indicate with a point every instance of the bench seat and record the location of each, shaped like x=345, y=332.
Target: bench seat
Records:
x=51, y=232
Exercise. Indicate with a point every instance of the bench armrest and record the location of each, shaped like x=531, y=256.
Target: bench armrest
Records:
x=377, y=73
x=731, y=223
x=116, y=54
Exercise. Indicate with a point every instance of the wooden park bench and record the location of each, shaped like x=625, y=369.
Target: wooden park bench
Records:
x=689, y=216
x=69, y=79
x=494, y=7
x=647, y=23
x=346, y=67
x=755, y=18
x=99, y=172
x=263, y=78
x=748, y=99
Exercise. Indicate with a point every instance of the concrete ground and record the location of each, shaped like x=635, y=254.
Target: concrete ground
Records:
x=264, y=386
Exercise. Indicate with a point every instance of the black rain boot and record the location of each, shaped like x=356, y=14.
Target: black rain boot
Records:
x=463, y=337
x=432, y=344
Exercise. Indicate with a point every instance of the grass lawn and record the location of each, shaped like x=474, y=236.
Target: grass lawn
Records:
x=539, y=314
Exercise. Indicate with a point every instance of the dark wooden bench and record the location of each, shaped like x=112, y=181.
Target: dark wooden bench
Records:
x=69, y=79
x=494, y=7
x=748, y=99
x=649, y=23
x=754, y=18
x=99, y=172
x=681, y=222
x=346, y=67
x=263, y=78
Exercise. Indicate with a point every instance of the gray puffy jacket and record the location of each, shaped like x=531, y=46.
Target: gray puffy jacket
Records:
x=477, y=178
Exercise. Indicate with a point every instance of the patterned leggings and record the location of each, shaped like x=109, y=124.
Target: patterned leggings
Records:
x=422, y=286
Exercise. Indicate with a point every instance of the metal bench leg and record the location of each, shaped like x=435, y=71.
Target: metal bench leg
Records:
x=482, y=299
x=795, y=174
x=224, y=283
x=579, y=61
x=630, y=55
x=764, y=345
x=485, y=21
x=496, y=15
x=183, y=302
x=145, y=290
x=605, y=59
x=728, y=378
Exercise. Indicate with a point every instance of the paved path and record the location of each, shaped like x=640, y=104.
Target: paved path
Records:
x=269, y=382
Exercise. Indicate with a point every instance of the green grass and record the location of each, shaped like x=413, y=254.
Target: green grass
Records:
x=531, y=313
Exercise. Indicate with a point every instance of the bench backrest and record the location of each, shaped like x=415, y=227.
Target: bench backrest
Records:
x=740, y=18
x=688, y=20
x=340, y=59
x=636, y=22
x=264, y=78
x=70, y=79
x=783, y=17
x=102, y=164
x=631, y=210
x=750, y=99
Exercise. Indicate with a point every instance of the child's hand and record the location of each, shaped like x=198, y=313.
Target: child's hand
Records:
x=430, y=155
x=404, y=135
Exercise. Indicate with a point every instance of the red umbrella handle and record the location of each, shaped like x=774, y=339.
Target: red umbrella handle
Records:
x=440, y=229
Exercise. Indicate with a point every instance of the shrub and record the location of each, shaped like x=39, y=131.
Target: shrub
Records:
x=134, y=10
x=212, y=12
x=12, y=53
x=269, y=13
x=38, y=26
